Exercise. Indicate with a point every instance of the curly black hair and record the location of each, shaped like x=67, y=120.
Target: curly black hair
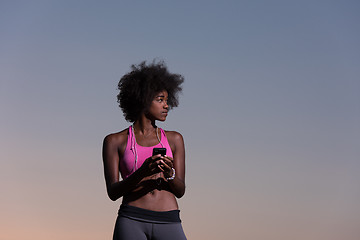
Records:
x=139, y=87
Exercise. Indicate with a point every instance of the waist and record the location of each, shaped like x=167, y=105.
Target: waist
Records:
x=146, y=215
x=154, y=200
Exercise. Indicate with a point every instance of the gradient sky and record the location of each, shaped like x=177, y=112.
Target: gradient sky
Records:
x=269, y=113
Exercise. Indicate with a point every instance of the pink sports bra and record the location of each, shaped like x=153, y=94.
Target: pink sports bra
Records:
x=135, y=155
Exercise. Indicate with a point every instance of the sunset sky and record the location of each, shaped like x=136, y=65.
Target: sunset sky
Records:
x=270, y=114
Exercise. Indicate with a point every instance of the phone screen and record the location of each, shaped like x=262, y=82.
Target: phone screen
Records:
x=161, y=151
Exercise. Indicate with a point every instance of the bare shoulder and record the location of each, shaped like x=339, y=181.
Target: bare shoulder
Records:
x=174, y=137
x=118, y=139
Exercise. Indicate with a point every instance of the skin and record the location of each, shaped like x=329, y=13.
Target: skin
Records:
x=140, y=189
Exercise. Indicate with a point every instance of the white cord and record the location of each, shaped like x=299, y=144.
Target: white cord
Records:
x=157, y=135
x=135, y=150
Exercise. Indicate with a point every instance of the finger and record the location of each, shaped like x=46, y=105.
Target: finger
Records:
x=165, y=164
x=155, y=157
x=155, y=166
x=168, y=162
x=168, y=157
x=161, y=169
x=168, y=172
x=156, y=169
x=159, y=162
x=149, y=161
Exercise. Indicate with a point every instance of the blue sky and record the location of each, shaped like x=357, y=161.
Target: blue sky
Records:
x=269, y=113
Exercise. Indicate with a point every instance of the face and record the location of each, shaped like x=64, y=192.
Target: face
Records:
x=158, y=109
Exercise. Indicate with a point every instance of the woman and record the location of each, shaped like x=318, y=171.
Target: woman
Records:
x=151, y=182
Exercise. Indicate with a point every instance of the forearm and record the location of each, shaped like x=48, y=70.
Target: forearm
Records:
x=177, y=187
x=117, y=190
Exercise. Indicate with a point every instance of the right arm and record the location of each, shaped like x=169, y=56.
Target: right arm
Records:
x=115, y=188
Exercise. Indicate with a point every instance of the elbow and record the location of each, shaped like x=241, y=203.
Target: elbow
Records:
x=112, y=196
x=180, y=193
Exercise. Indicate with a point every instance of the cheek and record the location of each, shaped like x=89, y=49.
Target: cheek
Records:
x=153, y=108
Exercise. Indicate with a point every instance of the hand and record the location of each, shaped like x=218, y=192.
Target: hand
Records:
x=151, y=165
x=166, y=165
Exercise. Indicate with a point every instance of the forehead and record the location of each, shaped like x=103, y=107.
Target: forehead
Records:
x=162, y=93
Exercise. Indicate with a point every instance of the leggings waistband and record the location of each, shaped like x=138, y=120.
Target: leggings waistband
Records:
x=148, y=215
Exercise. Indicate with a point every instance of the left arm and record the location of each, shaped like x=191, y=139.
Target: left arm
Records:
x=177, y=185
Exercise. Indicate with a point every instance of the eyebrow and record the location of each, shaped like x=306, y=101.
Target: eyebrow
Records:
x=160, y=96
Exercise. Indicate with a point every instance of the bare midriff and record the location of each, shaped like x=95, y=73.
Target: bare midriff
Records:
x=155, y=200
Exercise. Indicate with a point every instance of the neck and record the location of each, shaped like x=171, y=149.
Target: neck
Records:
x=144, y=125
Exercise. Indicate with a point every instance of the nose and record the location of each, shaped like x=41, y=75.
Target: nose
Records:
x=166, y=106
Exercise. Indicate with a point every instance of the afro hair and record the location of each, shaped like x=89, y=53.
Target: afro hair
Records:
x=142, y=83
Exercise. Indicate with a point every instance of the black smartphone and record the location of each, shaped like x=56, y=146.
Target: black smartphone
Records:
x=161, y=151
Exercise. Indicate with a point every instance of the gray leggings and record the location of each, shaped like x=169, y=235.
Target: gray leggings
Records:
x=129, y=229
